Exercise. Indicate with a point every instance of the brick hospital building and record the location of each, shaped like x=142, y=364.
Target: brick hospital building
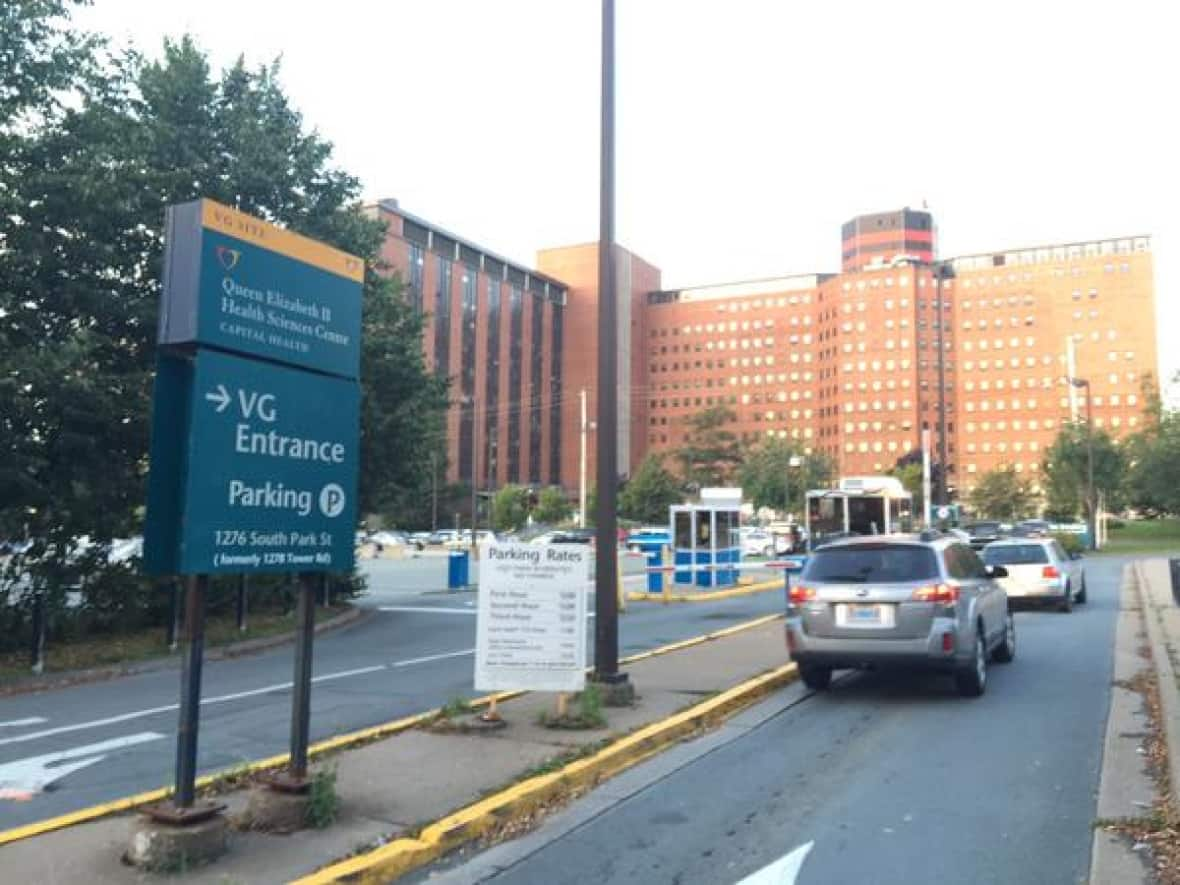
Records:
x=844, y=363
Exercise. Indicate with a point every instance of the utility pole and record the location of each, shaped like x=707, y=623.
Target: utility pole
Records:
x=474, y=475
x=582, y=463
x=433, y=491
x=944, y=467
x=606, y=578
x=1091, y=502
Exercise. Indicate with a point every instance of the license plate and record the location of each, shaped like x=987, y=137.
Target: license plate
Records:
x=864, y=614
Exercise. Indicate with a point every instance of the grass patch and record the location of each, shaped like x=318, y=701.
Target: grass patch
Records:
x=587, y=712
x=323, y=803
x=1144, y=536
x=147, y=644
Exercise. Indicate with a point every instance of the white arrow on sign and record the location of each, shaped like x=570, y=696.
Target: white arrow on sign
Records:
x=783, y=871
x=24, y=778
x=221, y=397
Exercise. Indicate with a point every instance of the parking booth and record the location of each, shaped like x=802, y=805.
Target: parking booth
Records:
x=705, y=536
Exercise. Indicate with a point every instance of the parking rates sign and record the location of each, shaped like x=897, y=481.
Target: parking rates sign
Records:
x=256, y=404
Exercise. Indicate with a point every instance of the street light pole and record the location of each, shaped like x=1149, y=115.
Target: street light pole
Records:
x=1091, y=514
x=606, y=605
x=942, y=446
x=582, y=464
x=474, y=473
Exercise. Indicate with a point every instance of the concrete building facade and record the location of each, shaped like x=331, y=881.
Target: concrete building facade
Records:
x=845, y=363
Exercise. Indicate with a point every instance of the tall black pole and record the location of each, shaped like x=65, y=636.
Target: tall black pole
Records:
x=301, y=697
x=1092, y=504
x=606, y=604
x=944, y=467
x=190, y=691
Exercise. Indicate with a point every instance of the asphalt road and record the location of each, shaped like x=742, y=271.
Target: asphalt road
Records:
x=82, y=745
x=884, y=779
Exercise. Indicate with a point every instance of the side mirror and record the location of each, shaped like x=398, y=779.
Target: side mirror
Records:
x=997, y=571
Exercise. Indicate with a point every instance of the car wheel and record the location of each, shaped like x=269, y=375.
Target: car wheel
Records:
x=768, y=551
x=1066, y=605
x=815, y=678
x=1006, y=650
x=972, y=680
x=1081, y=600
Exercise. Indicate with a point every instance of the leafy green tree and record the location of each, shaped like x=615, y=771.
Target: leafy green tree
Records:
x=1002, y=493
x=650, y=491
x=777, y=474
x=84, y=185
x=510, y=508
x=1066, y=472
x=552, y=506
x=712, y=452
x=1153, y=475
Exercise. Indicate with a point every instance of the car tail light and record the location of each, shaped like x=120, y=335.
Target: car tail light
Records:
x=948, y=642
x=799, y=593
x=936, y=593
x=1050, y=571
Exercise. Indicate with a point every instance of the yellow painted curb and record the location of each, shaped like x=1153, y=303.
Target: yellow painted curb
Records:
x=343, y=741
x=403, y=855
x=708, y=596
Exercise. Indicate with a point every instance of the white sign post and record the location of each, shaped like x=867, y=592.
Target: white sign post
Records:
x=531, y=627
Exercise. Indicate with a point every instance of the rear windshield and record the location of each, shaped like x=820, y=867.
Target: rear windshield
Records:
x=1015, y=554
x=864, y=564
x=983, y=528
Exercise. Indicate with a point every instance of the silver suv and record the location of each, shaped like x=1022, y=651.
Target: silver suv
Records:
x=899, y=600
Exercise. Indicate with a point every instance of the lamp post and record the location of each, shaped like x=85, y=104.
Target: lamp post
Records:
x=1091, y=516
x=940, y=272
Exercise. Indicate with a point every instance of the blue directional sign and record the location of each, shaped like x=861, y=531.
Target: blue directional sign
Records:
x=237, y=283
x=256, y=408
x=254, y=468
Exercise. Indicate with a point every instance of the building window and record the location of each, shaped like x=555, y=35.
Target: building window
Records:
x=442, y=318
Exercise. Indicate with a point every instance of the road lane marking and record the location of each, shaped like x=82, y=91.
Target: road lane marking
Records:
x=426, y=660
x=24, y=778
x=24, y=723
x=94, y=723
x=783, y=871
x=428, y=609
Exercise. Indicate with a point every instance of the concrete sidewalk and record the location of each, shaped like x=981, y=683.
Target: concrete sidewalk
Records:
x=1130, y=794
x=393, y=787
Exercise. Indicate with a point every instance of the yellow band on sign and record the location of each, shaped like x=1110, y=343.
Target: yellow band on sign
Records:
x=231, y=222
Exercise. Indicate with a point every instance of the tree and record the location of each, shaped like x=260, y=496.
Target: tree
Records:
x=650, y=491
x=777, y=474
x=1065, y=468
x=910, y=475
x=1002, y=493
x=1152, y=483
x=510, y=508
x=81, y=245
x=552, y=506
x=711, y=453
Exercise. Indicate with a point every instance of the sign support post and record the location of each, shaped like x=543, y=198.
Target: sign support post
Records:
x=190, y=692
x=254, y=456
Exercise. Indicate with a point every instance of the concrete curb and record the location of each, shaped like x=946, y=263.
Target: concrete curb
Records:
x=521, y=800
x=1122, y=776
x=760, y=587
x=1166, y=674
x=340, y=742
x=66, y=679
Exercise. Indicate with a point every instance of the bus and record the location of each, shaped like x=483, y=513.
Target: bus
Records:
x=859, y=505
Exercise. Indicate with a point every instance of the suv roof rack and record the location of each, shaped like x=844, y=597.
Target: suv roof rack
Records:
x=930, y=535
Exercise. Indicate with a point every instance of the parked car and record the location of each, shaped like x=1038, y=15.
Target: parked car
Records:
x=442, y=536
x=924, y=601
x=983, y=532
x=1031, y=528
x=1040, y=572
x=758, y=542
x=573, y=536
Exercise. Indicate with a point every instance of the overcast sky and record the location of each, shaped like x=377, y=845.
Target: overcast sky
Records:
x=747, y=130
